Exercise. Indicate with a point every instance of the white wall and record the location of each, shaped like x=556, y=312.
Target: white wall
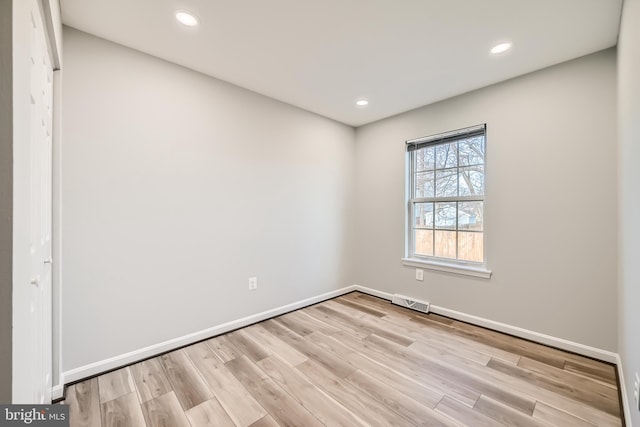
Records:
x=177, y=188
x=550, y=202
x=629, y=230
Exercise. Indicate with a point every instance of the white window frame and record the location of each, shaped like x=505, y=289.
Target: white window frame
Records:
x=450, y=265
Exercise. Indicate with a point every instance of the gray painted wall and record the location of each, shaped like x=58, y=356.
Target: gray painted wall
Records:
x=551, y=205
x=178, y=188
x=629, y=230
x=6, y=198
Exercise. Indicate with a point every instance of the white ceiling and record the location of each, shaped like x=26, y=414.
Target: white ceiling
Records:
x=323, y=55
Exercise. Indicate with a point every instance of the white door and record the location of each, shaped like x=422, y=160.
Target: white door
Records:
x=41, y=122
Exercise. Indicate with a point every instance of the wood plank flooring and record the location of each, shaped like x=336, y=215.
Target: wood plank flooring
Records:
x=355, y=360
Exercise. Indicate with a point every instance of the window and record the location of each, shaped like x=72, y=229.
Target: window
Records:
x=445, y=206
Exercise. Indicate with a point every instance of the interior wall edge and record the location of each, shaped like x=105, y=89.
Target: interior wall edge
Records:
x=628, y=67
x=623, y=392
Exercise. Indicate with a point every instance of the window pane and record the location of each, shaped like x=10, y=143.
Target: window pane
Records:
x=425, y=158
x=470, y=246
x=445, y=246
x=423, y=240
x=423, y=215
x=450, y=178
x=470, y=216
x=424, y=184
x=471, y=151
x=445, y=215
x=447, y=183
x=472, y=181
x=446, y=156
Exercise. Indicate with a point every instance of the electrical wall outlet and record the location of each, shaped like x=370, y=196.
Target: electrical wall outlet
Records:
x=419, y=274
x=253, y=283
x=636, y=391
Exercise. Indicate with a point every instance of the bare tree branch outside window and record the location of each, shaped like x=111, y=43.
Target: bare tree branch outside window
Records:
x=447, y=187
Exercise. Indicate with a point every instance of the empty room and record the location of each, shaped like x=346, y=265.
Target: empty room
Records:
x=330, y=213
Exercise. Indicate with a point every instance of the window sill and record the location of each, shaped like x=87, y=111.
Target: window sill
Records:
x=448, y=268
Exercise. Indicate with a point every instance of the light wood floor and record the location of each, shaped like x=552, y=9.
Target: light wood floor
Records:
x=354, y=361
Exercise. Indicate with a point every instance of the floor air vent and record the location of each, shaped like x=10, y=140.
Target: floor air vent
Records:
x=411, y=303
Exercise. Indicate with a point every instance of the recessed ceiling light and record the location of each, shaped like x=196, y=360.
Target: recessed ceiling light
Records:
x=362, y=102
x=501, y=48
x=186, y=18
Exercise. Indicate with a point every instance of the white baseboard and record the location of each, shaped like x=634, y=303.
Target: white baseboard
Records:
x=549, y=340
x=538, y=337
x=623, y=392
x=375, y=293
x=57, y=391
x=95, y=368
